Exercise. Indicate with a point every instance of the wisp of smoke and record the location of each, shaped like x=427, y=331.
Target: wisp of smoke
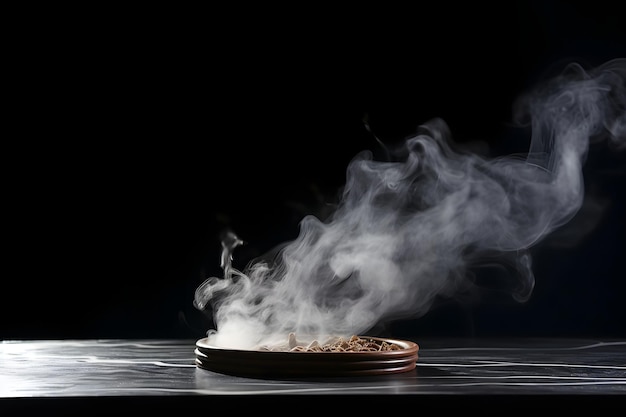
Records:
x=406, y=230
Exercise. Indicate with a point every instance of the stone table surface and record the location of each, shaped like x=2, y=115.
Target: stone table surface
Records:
x=465, y=372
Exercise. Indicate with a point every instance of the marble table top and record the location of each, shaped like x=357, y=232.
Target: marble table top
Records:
x=39, y=369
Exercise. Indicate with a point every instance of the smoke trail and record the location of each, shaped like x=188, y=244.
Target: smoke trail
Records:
x=408, y=229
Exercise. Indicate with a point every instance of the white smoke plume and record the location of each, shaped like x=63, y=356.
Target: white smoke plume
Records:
x=407, y=230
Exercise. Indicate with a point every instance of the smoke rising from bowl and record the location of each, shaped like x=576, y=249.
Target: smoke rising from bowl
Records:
x=408, y=229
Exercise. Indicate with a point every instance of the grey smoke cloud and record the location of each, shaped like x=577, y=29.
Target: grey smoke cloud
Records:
x=406, y=230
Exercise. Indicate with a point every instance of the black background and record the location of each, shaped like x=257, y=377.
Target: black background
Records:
x=140, y=136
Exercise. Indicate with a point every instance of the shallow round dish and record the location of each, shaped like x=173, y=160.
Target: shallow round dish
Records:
x=271, y=364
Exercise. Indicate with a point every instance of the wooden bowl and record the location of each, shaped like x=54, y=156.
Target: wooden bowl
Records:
x=273, y=364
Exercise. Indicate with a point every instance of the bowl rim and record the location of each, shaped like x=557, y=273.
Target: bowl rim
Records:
x=408, y=347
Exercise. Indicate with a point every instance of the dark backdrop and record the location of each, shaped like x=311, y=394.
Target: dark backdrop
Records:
x=141, y=136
